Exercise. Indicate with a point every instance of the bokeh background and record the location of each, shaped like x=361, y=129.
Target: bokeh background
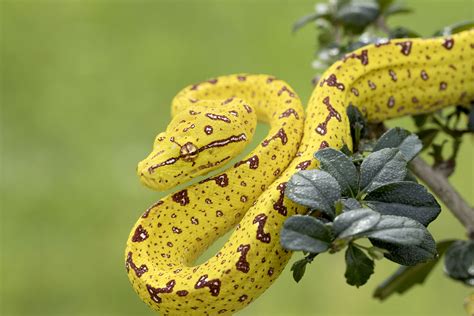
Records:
x=86, y=85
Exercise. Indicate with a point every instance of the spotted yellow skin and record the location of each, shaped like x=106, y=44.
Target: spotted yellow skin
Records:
x=407, y=76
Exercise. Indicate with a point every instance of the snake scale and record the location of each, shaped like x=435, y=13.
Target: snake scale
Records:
x=214, y=120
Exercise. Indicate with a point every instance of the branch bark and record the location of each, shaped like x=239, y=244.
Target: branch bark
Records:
x=440, y=186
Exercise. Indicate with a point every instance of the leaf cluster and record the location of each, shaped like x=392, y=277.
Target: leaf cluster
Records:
x=352, y=198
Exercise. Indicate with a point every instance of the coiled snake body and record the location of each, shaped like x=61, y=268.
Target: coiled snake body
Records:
x=212, y=122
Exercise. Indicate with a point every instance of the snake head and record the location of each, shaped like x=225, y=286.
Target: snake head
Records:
x=198, y=140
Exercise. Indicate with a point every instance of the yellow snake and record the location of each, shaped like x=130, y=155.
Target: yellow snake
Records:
x=212, y=122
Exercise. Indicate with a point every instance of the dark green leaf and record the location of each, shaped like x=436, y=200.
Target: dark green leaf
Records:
x=299, y=268
x=403, y=32
x=470, y=123
x=427, y=136
x=408, y=143
x=455, y=28
x=350, y=204
x=315, y=189
x=382, y=167
x=404, y=198
x=356, y=15
x=406, y=277
x=459, y=261
x=341, y=168
x=397, y=230
x=359, y=267
x=420, y=119
x=358, y=124
x=409, y=255
x=354, y=223
x=305, y=233
x=383, y=4
x=305, y=20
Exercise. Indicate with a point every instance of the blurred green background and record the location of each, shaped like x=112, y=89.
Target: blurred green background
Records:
x=86, y=85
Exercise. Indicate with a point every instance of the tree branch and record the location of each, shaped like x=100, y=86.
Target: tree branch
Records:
x=440, y=185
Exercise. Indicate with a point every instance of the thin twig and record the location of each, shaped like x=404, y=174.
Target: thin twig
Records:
x=440, y=185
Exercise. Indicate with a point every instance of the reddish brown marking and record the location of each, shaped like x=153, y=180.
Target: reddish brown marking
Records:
x=194, y=112
x=213, y=285
x=448, y=43
x=276, y=172
x=219, y=213
x=222, y=311
x=324, y=144
x=405, y=47
x=270, y=272
x=216, y=117
x=372, y=85
x=168, y=162
x=193, y=100
x=355, y=91
x=414, y=100
x=243, y=298
x=322, y=127
x=303, y=165
x=391, y=102
x=270, y=79
x=279, y=206
x=382, y=43
x=241, y=78
x=248, y=108
x=208, y=129
x=176, y=230
x=224, y=142
x=288, y=112
x=221, y=180
x=283, y=89
x=140, y=234
x=363, y=57
x=182, y=293
x=145, y=215
x=261, y=219
x=424, y=75
x=194, y=221
x=280, y=134
x=331, y=81
x=169, y=244
x=139, y=271
x=227, y=101
x=181, y=197
x=208, y=201
x=392, y=74
x=212, y=81
x=195, y=86
x=155, y=291
x=243, y=198
x=242, y=264
x=443, y=85
x=452, y=67
x=234, y=113
x=253, y=162
x=188, y=128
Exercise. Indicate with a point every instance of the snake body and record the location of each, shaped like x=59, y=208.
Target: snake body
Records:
x=212, y=122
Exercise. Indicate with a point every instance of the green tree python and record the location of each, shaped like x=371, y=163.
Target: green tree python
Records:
x=214, y=120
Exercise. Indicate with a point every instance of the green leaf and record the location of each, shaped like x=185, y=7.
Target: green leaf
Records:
x=420, y=119
x=427, y=136
x=341, y=168
x=383, y=4
x=316, y=189
x=356, y=15
x=354, y=223
x=403, y=32
x=455, y=28
x=404, y=198
x=305, y=233
x=382, y=167
x=350, y=204
x=358, y=124
x=305, y=20
x=409, y=255
x=299, y=268
x=409, y=144
x=406, y=277
x=470, y=122
x=459, y=261
x=397, y=230
x=359, y=267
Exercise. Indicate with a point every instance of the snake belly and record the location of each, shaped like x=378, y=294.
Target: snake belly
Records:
x=387, y=80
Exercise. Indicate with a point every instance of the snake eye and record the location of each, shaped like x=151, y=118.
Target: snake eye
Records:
x=189, y=152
